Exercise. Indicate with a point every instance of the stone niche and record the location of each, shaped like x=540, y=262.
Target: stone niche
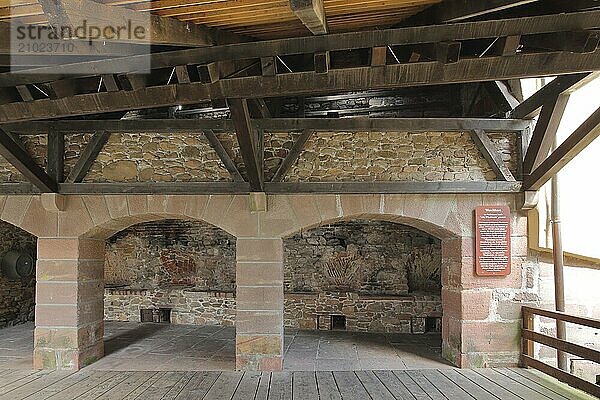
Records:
x=367, y=276
x=17, y=297
x=185, y=266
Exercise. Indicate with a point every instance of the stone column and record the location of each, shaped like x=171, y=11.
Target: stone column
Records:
x=259, y=299
x=69, y=309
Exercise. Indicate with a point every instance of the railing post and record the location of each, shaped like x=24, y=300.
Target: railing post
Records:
x=527, y=345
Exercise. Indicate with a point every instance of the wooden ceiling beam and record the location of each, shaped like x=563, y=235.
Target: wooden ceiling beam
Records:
x=312, y=15
x=392, y=187
x=249, y=143
x=460, y=10
x=312, y=44
x=358, y=124
x=544, y=132
x=585, y=134
x=302, y=83
x=55, y=153
x=579, y=41
x=563, y=84
x=162, y=30
x=18, y=157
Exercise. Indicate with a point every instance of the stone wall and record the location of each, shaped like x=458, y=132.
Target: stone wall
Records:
x=328, y=156
x=369, y=257
x=385, y=156
x=17, y=297
x=188, y=267
x=188, y=306
x=151, y=157
x=405, y=314
x=168, y=254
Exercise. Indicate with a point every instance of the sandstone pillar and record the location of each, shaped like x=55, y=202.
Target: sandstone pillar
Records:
x=259, y=319
x=69, y=325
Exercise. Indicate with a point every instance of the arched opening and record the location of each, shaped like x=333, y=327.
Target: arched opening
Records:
x=169, y=297
x=18, y=253
x=363, y=294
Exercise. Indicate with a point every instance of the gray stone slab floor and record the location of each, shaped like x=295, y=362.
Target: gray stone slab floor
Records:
x=163, y=347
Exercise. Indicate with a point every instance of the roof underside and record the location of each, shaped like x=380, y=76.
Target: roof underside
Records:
x=264, y=19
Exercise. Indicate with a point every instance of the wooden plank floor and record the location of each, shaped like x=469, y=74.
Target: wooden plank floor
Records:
x=479, y=384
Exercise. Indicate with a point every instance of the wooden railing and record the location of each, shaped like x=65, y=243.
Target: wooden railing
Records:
x=529, y=337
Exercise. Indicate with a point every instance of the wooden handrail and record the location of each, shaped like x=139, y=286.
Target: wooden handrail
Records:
x=529, y=337
x=563, y=345
x=561, y=316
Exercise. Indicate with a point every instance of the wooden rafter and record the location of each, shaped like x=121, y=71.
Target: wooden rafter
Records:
x=459, y=10
x=501, y=93
x=293, y=84
x=491, y=155
x=332, y=42
x=249, y=143
x=544, y=132
x=579, y=41
x=56, y=156
x=18, y=157
x=87, y=157
x=585, y=134
x=563, y=84
x=312, y=15
x=292, y=156
x=191, y=126
x=217, y=146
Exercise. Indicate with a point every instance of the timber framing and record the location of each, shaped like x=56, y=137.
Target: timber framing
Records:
x=311, y=13
x=250, y=142
x=18, y=157
x=586, y=133
x=242, y=188
x=292, y=156
x=338, y=80
x=55, y=153
x=544, y=133
x=564, y=84
x=491, y=155
x=217, y=146
x=459, y=10
x=189, y=126
x=88, y=156
x=332, y=42
x=162, y=30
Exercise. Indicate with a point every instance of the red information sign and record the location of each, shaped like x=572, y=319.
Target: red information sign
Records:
x=492, y=241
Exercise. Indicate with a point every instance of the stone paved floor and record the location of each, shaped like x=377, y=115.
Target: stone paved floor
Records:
x=157, y=347
x=16, y=346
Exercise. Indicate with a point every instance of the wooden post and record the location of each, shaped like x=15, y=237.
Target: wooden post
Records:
x=526, y=344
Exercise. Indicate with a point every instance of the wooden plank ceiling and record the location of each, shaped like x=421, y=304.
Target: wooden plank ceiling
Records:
x=264, y=19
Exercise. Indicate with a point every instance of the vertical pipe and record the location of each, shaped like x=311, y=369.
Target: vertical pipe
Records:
x=558, y=257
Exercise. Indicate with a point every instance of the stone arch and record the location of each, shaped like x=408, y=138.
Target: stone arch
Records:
x=169, y=263
x=367, y=261
x=451, y=249
x=439, y=215
x=71, y=259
